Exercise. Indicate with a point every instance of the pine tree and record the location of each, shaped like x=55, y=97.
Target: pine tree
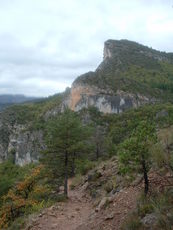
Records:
x=66, y=137
x=134, y=153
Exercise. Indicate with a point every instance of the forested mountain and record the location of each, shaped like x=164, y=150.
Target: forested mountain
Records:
x=130, y=75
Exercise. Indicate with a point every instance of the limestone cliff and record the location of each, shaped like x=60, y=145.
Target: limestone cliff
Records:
x=106, y=101
x=21, y=145
x=18, y=142
x=113, y=87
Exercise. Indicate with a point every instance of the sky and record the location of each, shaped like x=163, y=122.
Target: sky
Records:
x=46, y=44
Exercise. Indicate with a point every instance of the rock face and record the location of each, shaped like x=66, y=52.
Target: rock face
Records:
x=22, y=146
x=107, y=88
x=107, y=50
x=127, y=77
x=106, y=101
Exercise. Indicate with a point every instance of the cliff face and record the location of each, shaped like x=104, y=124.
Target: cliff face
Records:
x=106, y=101
x=20, y=145
x=18, y=140
x=112, y=88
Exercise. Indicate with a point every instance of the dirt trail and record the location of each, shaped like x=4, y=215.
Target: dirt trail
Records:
x=114, y=215
x=65, y=216
x=78, y=212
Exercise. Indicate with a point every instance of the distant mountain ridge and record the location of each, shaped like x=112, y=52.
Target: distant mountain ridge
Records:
x=10, y=99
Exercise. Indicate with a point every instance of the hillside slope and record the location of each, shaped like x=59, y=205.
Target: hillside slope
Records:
x=22, y=128
x=130, y=75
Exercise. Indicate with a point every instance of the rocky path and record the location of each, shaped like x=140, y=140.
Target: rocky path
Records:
x=112, y=217
x=78, y=212
x=66, y=215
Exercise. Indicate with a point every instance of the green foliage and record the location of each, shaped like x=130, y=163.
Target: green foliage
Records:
x=162, y=152
x=66, y=139
x=134, y=68
x=132, y=223
x=108, y=186
x=134, y=153
x=121, y=126
x=144, y=205
x=10, y=174
x=84, y=165
x=136, y=148
x=77, y=180
x=31, y=113
x=157, y=204
x=21, y=198
x=162, y=204
x=17, y=224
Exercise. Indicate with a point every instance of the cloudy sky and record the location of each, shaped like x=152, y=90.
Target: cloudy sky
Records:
x=46, y=44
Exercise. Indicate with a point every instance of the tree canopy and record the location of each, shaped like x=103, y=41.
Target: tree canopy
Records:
x=134, y=153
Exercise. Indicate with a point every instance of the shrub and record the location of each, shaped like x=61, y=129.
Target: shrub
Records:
x=144, y=206
x=132, y=223
x=10, y=174
x=77, y=180
x=83, y=166
x=21, y=198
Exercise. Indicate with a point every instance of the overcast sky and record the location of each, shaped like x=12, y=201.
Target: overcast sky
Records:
x=46, y=44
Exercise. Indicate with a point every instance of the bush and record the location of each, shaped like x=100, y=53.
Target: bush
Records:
x=77, y=180
x=21, y=199
x=132, y=223
x=159, y=205
x=108, y=186
x=144, y=206
x=10, y=174
x=83, y=166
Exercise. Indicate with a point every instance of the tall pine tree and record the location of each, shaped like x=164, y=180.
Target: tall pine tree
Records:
x=65, y=137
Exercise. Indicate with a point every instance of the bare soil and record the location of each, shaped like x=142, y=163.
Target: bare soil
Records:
x=78, y=212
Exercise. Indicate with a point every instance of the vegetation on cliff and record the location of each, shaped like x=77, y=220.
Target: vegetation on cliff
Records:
x=133, y=68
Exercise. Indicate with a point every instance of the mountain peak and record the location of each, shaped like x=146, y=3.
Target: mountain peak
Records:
x=130, y=75
x=114, y=48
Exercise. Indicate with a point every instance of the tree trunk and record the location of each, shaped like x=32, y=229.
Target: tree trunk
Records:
x=97, y=151
x=66, y=175
x=146, y=181
x=73, y=164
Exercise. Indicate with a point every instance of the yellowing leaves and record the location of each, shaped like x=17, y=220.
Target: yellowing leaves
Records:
x=20, y=198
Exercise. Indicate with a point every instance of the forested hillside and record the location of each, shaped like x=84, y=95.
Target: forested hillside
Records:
x=133, y=68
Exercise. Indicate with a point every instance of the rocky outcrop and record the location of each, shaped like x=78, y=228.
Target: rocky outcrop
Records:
x=107, y=53
x=21, y=145
x=104, y=88
x=106, y=101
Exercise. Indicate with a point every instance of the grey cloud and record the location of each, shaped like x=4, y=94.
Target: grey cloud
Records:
x=45, y=45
